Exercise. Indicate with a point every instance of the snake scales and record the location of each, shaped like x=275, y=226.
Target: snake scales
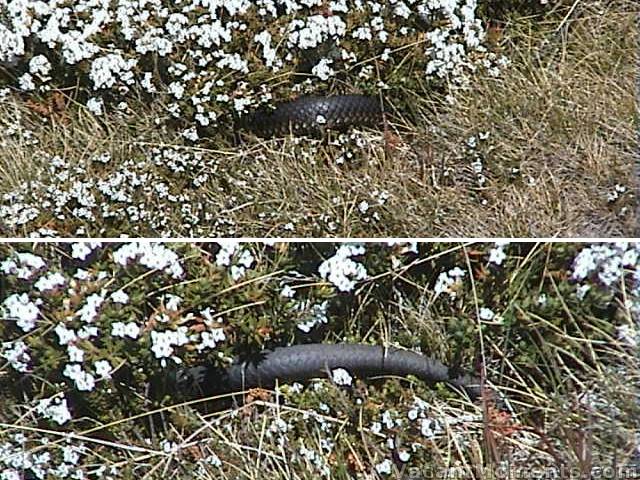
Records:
x=303, y=362
x=310, y=114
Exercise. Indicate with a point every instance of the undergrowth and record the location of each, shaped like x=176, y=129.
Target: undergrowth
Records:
x=92, y=333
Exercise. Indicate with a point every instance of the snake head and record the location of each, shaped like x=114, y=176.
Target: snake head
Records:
x=198, y=381
x=190, y=379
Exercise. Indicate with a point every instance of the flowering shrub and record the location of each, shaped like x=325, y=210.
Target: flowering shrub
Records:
x=151, y=191
x=213, y=60
x=151, y=194
x=91, y=333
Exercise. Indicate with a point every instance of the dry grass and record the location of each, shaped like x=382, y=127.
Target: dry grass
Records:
x=561, y=121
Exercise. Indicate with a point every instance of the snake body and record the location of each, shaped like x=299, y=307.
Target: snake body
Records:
x=309, y=114
x=302, y=362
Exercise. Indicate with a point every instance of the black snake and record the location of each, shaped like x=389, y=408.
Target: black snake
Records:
x=302, y=362
x=309, y=114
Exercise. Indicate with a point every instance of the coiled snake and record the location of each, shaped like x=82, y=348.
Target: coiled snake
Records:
x=303, y=362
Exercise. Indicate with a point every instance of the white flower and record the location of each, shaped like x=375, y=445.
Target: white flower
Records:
x=50, y=281
x=95, y=105
x=87, y=331
x=82, y=250
x=163, y=342
x=75, y=354
x=168, y=446
x=245, y=258
x=162, y=348
x=322, y=69
x=630, y=257
x=430, y=427
x=268, y=52
x=486, y=314
x=132, y=330
x=213, y=460
x=89, y=310
x=25, y=82
x=384, y=467
x=39, y=65
x=497, y=255
x=11, y=474
x=341, y=377
x=65, y=335
x=82, y=274
x=404, y=456
x=287, y=292
x=17, y=354
x=207, y=313
x=227, y=248
x=103, y=368
x=191, y=133
x=172, y=302
x=70, y=454
x=84, y=381
x=582, y=290
x=237, y=272
x=119, y=329
x=18, y=307
x=448, y=281
x=120, y=296
x=387, y=419
x=54, y=408
x=211, y=339
x=176, y=89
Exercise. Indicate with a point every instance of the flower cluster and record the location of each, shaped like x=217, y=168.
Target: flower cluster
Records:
x=157, y=192
x=611, y=264
x=17, y=459
x=607, y=262
x=154, y=256
x=313, y=315
x=449, y=282
x=22, y=265
x=17, y=353
x=54, y=408
x=341, y=270
x=19, y=308
x=167, y=191
x=239, y=260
